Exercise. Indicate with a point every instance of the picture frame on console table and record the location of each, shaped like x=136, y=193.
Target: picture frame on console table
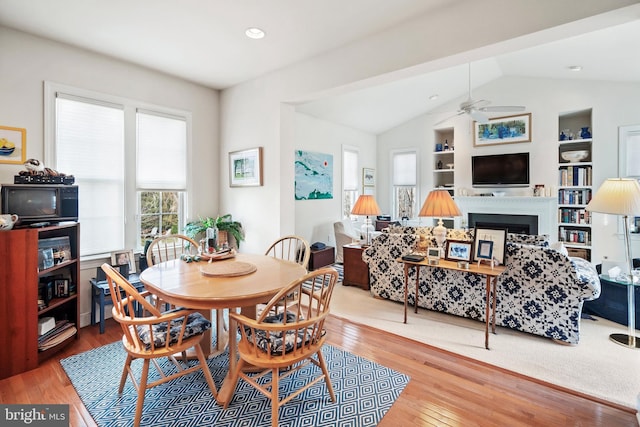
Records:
x=502, y=130
x=491, y=242
x=458, y=251
x=124, y=257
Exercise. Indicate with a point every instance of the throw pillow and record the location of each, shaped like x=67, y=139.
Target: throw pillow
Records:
x=560, y=247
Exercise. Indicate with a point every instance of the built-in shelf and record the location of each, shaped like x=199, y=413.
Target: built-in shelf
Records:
x=444, y=160
x=575, y=180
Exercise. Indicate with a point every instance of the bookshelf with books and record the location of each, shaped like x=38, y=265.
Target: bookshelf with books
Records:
x=39, y=306
x=575, y=180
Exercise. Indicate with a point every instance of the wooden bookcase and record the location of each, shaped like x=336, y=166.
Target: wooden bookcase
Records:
x=23, y=279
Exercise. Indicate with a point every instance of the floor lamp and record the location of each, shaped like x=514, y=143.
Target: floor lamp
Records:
x=439, y=204
x=366, y=205
x=621, y=196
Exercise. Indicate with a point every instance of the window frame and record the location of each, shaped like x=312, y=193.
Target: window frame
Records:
x=131, y=107
x=394, y=188
x=352, y=193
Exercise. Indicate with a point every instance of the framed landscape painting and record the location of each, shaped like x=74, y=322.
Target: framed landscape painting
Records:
x=245, y=168
x=502, y=130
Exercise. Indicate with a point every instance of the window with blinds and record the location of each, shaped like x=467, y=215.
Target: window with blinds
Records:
x=89, y=144
x=349, y=180
x=129, y=162
x=404, y=178
x=161, y=173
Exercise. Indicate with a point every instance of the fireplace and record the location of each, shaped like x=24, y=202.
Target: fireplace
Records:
x=519, y=224
x=545, y=209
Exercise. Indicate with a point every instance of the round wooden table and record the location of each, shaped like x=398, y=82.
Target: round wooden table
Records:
x=181, y=283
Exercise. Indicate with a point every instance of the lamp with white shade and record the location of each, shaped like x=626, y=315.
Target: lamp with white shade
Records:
x=621, y=196
x=366, y=205
x=439, y=204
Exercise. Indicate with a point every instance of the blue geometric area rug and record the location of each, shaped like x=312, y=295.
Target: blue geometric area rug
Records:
x=364, y=393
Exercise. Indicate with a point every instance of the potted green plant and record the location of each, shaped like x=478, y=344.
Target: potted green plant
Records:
x=223, y=223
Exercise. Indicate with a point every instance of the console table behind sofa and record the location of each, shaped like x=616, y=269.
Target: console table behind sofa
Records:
x=541, y=291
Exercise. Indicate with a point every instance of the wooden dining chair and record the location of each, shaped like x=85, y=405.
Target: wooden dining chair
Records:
x=291, y=248
x=170, y=246
x=284, y=343
x=153, y=335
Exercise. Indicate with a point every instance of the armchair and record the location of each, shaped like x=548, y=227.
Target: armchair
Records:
x=345, y=234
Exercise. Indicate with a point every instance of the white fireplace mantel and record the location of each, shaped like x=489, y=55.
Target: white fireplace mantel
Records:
x=544, y=207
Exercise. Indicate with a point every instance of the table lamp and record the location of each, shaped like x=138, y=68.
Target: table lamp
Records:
x=439, y=204
x=366, y=205
x=621, y=196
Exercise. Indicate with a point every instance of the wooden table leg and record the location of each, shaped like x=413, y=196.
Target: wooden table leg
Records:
x=406, y=289
x=495, y=298
x=487, y=315
x=226, y=392
x=415, y=303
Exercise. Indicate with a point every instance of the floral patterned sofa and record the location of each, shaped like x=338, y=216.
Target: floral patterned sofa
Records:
x=541, y=291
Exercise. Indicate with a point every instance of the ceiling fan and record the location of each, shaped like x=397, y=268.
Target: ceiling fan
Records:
x=476, y=108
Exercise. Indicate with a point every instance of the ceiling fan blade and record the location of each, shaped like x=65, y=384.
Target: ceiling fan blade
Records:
x=475, y=104
x=447, y=118
x=502, y=108
x=479, y=117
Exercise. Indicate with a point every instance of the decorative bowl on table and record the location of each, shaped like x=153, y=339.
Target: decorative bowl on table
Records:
x=575, y=156
x=450, y=165
x=4, y=151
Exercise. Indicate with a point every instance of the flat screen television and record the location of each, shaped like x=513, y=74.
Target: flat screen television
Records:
x=500, y=170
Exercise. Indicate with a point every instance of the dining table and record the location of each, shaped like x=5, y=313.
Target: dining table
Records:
x=243, y=282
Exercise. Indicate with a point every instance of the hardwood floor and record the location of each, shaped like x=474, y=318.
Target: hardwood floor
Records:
x=445, y=389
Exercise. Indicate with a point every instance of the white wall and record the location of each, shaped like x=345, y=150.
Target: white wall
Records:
x=315, y=218
x=612, y=104
x=27, y=61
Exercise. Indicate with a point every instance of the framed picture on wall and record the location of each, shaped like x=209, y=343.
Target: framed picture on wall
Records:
x=502, y=130
x=368, y=177
x=245, y=168
x=13, y=145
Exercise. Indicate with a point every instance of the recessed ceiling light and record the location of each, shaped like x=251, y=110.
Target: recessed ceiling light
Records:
x=433, y=97
x=254, y=33
x=576, y=68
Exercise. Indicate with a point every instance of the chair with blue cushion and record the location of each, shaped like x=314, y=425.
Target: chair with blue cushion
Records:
x=283, y=343
x=151, y=334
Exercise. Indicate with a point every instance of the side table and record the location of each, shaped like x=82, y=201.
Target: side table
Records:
x=101, y=295
x=356, y=271
x=321, y=257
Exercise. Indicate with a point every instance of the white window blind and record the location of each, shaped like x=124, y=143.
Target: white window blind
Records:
x=90, y=146
x=350, y=170
x=404, y=168
x=162, y=152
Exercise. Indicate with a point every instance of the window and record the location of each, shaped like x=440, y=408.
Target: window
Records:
x=161, y=165
x=129, y=161
x=89, y=144
x=404, y=169
x=349, y=180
